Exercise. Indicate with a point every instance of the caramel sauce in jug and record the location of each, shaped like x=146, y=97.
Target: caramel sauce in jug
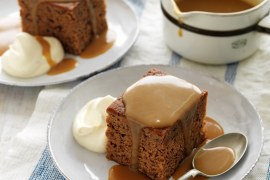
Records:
x=215, y=6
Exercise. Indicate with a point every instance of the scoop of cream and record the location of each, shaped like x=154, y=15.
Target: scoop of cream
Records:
x=90, y=124
x=25, y=56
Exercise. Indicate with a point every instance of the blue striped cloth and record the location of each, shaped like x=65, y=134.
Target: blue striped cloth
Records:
x=268, y=172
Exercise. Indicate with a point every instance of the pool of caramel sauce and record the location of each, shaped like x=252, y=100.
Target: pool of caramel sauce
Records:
x=215, y=6
x=213, y=130
x=67, y=64
x=120, y=172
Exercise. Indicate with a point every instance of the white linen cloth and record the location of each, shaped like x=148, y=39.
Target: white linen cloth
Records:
x=25, y=112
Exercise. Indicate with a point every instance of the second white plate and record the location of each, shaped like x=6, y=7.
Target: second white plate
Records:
x=124, y=23
x=226, y=105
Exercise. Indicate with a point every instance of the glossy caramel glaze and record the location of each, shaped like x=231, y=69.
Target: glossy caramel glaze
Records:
x=174, y=96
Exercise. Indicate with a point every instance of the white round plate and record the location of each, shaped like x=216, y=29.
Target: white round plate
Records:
x=231, y=109
x=124, y=23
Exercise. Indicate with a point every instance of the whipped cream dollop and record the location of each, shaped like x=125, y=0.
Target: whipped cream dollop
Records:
x=90, y=124
x=27, y=57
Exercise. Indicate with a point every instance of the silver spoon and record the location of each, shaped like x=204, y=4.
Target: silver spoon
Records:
x=236, y=141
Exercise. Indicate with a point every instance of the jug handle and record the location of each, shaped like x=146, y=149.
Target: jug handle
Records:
x=264, y=25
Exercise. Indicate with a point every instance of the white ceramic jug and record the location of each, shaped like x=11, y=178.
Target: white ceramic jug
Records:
x=214, y=38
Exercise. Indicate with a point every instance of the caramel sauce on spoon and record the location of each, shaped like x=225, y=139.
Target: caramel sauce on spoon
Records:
x=214, y=161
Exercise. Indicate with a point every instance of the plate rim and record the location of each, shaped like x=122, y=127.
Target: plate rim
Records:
x=57, y=108
x=76, y=77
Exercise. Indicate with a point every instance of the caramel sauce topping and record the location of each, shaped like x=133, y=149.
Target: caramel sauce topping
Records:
x=46, y=50
x=160, y=101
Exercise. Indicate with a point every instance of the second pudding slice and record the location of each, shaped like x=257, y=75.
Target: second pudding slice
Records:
x=155, y=124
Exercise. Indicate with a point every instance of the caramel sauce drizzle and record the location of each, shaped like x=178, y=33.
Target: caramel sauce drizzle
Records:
x=65, y=65
x=99, y=45
x=89, y=5
x=180, y=32
x=46, y=50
